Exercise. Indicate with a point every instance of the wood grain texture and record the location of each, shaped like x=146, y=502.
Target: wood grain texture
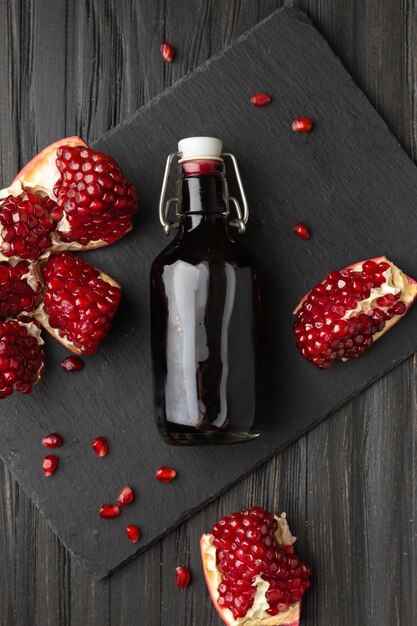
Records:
x=345, y=511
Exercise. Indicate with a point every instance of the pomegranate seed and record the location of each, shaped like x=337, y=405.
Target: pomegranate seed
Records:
x=165, y=474
x=133, y=533
x=167, y=51
x=100, y=446
x=52, y=441
x=109, y=511
x=49, y=464
x=183, y=577
x=302, y=125
x=301, y=230
x=72, y=364
x=260, y=100
x=125, y=497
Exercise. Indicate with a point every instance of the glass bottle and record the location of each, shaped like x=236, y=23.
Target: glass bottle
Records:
x=205, y=308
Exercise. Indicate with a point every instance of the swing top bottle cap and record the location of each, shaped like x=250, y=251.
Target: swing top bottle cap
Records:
x=200, y=148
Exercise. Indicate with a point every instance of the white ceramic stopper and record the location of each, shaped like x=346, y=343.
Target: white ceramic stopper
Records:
x=200, y=147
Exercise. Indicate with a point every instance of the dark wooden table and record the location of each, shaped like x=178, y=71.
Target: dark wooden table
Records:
x=349, y=486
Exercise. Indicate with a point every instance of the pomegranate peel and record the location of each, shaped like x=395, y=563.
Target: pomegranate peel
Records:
x=256, y=615
x=341, y=317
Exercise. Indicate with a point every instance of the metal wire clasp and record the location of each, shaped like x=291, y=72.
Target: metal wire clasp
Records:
x=165, y=205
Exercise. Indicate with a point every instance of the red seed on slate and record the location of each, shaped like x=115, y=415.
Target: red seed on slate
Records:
x=72, y=364
x=183, y=577
x=167, y=51
x=165, y=474
x=260, y=99
x=54, y=440
x=125, y=496
x=109, y=511
x=49, y=464
x=301, y=230
x=100, y=446
x=133, y=533
x=302, y=125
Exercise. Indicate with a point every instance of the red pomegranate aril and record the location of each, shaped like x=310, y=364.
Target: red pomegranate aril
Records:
x=182, y=577
x=125, y=497
x=133, y=533
x=167, y=51
x=302, y=125
x=301, y=230
x=54, y=440
x=49, y=464
x=109, y=511
x=260, y=100
x=72, y=364
x=165, y=474
x=100, y=446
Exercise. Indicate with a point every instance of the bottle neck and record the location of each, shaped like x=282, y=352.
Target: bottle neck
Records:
x=202, y=193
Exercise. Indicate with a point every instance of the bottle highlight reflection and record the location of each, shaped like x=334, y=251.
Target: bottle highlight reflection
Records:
x=205, y=314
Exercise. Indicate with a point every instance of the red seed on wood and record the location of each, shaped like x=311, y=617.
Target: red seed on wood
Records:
x=167, y=51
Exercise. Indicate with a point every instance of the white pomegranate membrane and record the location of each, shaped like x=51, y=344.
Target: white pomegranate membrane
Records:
x=251, y=572
x=341, y=317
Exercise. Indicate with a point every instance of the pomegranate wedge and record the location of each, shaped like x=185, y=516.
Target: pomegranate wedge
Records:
x=252, y=574
x=21, y=357
x=341, y=317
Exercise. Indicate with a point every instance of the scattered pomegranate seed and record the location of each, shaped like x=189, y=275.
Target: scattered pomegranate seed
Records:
x=52, y=441
x=49, y=464
x=165, y=474
x=260, y=99
x=100, y=446
x=167, y=51
x=183, y=577
x=72, y=364
x=109, y=511
x=301, y=230
x=302, y=125
x=125, y=496
x=133, y=533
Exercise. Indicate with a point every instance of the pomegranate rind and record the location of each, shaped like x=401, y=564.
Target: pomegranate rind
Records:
x=291, y=617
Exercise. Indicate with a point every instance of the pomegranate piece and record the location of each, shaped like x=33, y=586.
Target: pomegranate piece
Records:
x=182, y=577
x=165, y=474
x=302, y=125
x=125, y=496
x=260, y=99
x=21, y=357
x=72, y=364
x=250, y=553
x=100, y=446
x=301, y=230
x=341, y=317
x=133, y=533
x=20, y=290
x=49, y=464
x=54, y=440
x=79, y=302
x=109, y=511
x=26, y=226
x=167, y=51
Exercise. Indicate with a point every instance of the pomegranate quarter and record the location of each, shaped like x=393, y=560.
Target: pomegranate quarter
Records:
x=341, y=317
x=253, y=576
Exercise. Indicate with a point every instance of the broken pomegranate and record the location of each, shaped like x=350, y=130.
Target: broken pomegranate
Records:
x=133, y=533
x=100, y=446
x=109, y=511
x=167, y=51
x=341, y=317
x=20, y=289
x=72, y=364
x=260, y=100
x=79, y=302
x=165, y=474
x=182, y=577
x=21, y=357
x=252, y=574
x=125, y=497
x=49, y=464
x=302, y=125
x=301, y=230
x=54, y=440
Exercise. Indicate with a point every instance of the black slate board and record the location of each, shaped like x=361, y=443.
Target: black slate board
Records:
x=349, y=179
